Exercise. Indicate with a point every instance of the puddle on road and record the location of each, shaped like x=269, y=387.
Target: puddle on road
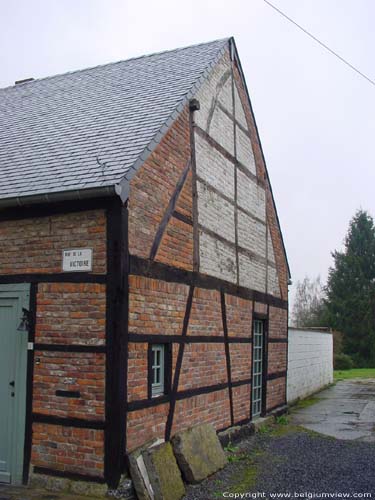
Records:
x=364, y=395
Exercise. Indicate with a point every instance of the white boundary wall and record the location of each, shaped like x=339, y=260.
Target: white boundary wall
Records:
x=310, y=362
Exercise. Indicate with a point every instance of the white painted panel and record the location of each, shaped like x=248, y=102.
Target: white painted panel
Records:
x=215, y=213
x=273, y=282
x=225, y=97
x=214, y=168
x=251, y=234
x=271, y=253
x=252, y=273
x=240, y=113
x=251, y=197
x=245, y=151
x=208, y=92
x=221, y=129
x=217, y=259
x=310, y=362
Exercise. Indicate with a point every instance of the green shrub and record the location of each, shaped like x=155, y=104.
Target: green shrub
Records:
x=282, y=420
x=342, y=362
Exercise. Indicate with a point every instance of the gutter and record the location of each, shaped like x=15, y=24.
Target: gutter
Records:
x=76, y=194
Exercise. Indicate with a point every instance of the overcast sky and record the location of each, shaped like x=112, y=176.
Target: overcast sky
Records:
x=315, y=116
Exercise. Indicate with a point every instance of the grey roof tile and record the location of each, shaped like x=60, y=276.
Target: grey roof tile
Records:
x=88, y=128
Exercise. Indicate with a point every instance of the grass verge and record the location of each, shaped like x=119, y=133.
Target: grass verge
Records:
x=354, y=373
x=305, y=403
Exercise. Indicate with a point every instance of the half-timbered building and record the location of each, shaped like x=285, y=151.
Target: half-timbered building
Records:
x=143, y=276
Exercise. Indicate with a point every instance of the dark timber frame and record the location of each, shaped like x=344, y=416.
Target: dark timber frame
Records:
x=163, y=272
x=155, y=270
x=117, y=342
x=170, y=211
x=176, y=379
x=227, y=356
x=119, y=266
x=194, y=106
x=48, y=210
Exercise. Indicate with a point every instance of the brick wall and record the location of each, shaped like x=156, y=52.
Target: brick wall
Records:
x=35, y=245
x=66, y=314
x=143, y=425
x=276, y=393
x=67, y=371
x=210, y=408
x=239, y=316
x=241, y=403
x=71, y=313
x=68, y=449
x=158, y=307
x=150, y=193
x=278, y=323
x=277, y=357
x=203, y=365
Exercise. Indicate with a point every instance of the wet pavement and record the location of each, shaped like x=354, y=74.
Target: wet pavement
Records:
x=344, y=411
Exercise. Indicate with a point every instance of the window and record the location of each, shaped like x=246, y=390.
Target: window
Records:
x=157, y=369
x=257, y=385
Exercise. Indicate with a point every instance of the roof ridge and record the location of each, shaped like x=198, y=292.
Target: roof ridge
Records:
x=223, y=40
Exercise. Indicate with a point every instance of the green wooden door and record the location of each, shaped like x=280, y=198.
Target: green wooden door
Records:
x=13, y=364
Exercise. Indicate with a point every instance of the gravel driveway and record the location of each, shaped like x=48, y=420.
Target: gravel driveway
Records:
x=287, y=458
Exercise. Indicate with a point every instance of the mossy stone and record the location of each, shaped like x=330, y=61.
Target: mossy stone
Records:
x=163, y=472
x=198, y=452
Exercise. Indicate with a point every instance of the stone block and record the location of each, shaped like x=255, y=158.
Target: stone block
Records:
x=235, y=434
x=49, y=483
x=163, y=472
x=198, y=452
x=139, y=472
x=90, y=490
x=63, y=485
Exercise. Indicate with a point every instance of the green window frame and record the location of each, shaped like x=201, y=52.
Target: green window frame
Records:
x=157, y=371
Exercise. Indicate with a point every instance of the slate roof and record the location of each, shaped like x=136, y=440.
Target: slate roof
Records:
x=87, y=129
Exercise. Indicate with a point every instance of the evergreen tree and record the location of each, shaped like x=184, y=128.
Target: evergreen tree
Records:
x=351, y=290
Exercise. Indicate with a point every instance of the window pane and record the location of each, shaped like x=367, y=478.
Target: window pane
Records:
x=157, y=382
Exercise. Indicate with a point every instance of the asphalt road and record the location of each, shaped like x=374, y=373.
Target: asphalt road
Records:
x=345, y=411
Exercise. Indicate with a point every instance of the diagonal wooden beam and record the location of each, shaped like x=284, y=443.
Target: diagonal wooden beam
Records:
x=169, y=211
x=176, y=379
